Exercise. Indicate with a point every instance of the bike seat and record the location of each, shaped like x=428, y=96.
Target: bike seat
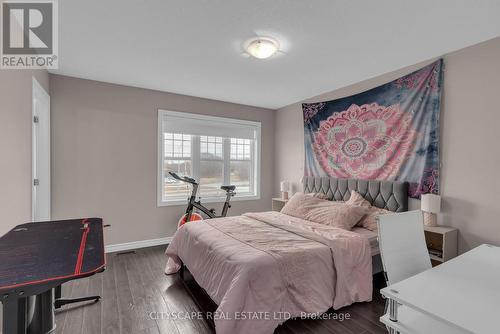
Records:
x=228, y=188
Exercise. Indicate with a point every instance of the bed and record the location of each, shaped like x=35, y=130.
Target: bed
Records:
x=389, y=195
x=262, y=269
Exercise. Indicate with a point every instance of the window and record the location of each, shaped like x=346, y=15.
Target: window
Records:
x=211, y=171
x=241, y=163
x=213, y=150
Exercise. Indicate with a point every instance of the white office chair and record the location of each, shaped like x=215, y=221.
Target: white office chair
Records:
x=402, y=247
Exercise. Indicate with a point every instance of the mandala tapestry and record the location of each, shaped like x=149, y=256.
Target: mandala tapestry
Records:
x=390, y=132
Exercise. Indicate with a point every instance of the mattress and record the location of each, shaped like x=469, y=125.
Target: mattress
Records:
x=371, y=236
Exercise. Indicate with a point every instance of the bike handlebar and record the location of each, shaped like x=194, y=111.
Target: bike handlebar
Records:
x=228, y=189
x=183, y=179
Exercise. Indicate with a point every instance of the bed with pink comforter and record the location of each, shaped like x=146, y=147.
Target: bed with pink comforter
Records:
x=262, y=268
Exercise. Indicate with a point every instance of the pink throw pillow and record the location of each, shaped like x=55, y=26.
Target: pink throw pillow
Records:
x=369, y=221
x=336, y=214
x=318, y=195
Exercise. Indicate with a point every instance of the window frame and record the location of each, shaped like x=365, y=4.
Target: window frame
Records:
x=195, y=158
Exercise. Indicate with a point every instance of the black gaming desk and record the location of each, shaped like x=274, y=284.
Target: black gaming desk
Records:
x=38, y=257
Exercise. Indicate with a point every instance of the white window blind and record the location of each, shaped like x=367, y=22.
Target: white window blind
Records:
x=213, y=150
x=201, y=125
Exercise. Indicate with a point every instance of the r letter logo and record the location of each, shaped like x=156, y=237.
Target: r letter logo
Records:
x=29, y=34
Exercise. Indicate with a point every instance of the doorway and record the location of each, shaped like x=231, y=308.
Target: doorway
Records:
x=40, y=198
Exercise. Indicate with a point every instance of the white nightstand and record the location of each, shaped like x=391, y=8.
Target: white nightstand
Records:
x=442, y=242
x=278, y=204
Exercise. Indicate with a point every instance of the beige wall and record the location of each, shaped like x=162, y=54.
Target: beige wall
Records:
x=104, y=155
x=15, y=145
x=470, y=146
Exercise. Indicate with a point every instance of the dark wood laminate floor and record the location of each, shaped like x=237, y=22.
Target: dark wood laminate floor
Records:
x=134, y=285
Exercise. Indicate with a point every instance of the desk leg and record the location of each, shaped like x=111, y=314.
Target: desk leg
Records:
x=393, y=315
x=181, y=272
x=42, y=309
x=15, y=316
x=58, y=292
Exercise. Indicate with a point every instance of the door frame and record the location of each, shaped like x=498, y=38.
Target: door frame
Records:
x=37, y=89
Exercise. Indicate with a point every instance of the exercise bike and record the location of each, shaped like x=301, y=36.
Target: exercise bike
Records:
x=193, y=203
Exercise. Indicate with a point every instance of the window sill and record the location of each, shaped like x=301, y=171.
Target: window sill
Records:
x=184, y=202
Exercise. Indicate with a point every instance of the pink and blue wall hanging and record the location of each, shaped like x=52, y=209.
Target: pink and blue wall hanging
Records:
x=390, y=132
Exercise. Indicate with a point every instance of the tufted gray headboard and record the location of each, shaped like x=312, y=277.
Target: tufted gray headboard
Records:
x=389, y=195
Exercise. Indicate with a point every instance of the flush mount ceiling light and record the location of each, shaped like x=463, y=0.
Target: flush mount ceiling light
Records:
x=262, y=47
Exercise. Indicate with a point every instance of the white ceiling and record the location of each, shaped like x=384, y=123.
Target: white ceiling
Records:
x=193, y=47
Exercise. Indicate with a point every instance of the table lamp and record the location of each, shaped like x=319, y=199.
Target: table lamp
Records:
x=284, y=187
x=430, y=205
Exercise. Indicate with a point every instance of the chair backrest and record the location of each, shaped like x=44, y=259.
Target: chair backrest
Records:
x=402, y=245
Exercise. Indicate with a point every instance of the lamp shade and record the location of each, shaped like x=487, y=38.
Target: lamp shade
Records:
x=284, y=186
x=430, y=203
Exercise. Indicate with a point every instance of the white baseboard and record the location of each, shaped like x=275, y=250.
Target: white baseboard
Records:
x=137, y=244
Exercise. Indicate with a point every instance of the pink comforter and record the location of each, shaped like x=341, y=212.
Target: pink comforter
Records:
x=262, y=268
